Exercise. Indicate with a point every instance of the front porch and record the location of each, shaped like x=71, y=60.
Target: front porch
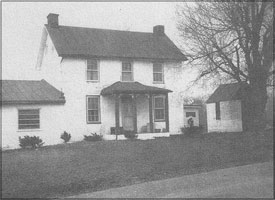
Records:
x=139, y=108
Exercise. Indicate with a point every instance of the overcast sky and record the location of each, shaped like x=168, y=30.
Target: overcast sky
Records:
x=22, y=25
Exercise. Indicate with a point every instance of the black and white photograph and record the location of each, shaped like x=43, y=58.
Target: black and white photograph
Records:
x=137, y=99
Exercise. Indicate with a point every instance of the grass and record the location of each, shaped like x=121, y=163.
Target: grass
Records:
x=68, y=169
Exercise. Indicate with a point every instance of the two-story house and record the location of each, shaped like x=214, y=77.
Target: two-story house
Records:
x=112, y=79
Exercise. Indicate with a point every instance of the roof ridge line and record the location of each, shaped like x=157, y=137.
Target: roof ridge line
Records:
x=103, y=29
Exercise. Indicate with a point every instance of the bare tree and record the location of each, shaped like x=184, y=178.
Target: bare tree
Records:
x=232, y=40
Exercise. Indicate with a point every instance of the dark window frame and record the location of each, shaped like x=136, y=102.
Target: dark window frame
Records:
x=218, y=110
x=98, y=110
x=161, y=108
x=92, y=70
x=123, y=71
x=158, y=72
x=189, y=113
x=28, y=126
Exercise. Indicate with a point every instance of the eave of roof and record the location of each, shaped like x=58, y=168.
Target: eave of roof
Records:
x=229, y=92
x=29, y=92
x=32, y=102
x=132, y=88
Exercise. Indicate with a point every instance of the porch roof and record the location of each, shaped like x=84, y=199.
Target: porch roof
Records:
x=132, y=88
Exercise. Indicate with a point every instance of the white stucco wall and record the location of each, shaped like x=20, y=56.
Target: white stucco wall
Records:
x=231, y=117
x=51, y=124
x=69, y=75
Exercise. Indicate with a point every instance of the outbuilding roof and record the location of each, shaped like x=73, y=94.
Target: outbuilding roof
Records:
x=133, y=88
x=30, y=92
x=91, y=42
x=228, y=92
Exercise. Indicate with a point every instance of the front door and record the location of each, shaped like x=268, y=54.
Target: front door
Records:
x=127, y=114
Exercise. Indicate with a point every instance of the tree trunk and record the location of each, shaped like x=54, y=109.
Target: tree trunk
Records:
x=257, y=99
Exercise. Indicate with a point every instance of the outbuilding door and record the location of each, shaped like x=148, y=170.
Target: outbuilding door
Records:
x=127, y=114
x=191, y=113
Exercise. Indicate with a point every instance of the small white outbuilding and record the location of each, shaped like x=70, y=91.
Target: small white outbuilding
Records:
x=226, y=108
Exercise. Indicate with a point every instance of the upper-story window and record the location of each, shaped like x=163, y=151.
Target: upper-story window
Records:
x=92, y=70
x=157, y=73
x=127, y=71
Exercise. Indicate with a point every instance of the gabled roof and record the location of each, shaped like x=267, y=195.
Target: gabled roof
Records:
x=132, y=87
x=90, y=42
x=228, y=92
x=30, y=92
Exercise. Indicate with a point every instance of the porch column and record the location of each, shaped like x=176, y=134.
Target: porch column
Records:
x=135, y=113
x=167, y=112
x=151, y=114
x=117, y=114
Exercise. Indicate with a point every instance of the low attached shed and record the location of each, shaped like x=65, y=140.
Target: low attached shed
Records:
x=33, y=108
x=227, y=108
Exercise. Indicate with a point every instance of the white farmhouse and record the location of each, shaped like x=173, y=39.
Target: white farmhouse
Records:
x=227, y=108
x=112, y=80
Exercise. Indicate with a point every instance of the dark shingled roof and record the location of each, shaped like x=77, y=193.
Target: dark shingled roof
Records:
x=30, y=92
x=90, y=42
x=228, y=92
x=132, y=87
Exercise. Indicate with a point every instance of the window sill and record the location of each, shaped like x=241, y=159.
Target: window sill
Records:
x=156, y=82
x=93, y=122
x=160, y=120
x=91, y=81
x=28, y=130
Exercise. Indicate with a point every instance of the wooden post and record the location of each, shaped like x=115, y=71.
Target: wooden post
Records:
x=135, y=113
x=117, y=114
x=167, y=112
x=151, y=114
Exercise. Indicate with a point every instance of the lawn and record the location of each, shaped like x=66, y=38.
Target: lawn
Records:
x=68, y=169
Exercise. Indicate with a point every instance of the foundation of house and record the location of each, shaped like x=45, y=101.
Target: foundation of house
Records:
x=141, y=136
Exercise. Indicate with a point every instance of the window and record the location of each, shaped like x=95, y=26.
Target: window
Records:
x=190, y=114
x=157, y=73
x=93, y=109
x=28, y=119
x=92, y=70
x=127, y=71
x=159, y=108
x=218, y=111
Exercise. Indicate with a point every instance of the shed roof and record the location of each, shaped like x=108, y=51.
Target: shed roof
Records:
x=132, y=87
x=228, y=92
x=91, y=42
x=30, y=92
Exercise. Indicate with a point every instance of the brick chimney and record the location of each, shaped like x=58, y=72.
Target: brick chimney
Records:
x=53, y=20
x=158, y=30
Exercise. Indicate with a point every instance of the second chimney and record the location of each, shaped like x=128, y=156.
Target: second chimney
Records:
x=158, y=30
x=53, y=20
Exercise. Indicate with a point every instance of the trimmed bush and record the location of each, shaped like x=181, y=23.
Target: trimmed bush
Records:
x=93, y=137
x=130, y=134
x=32, y=142
x=192, y=130
x=65, y=136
